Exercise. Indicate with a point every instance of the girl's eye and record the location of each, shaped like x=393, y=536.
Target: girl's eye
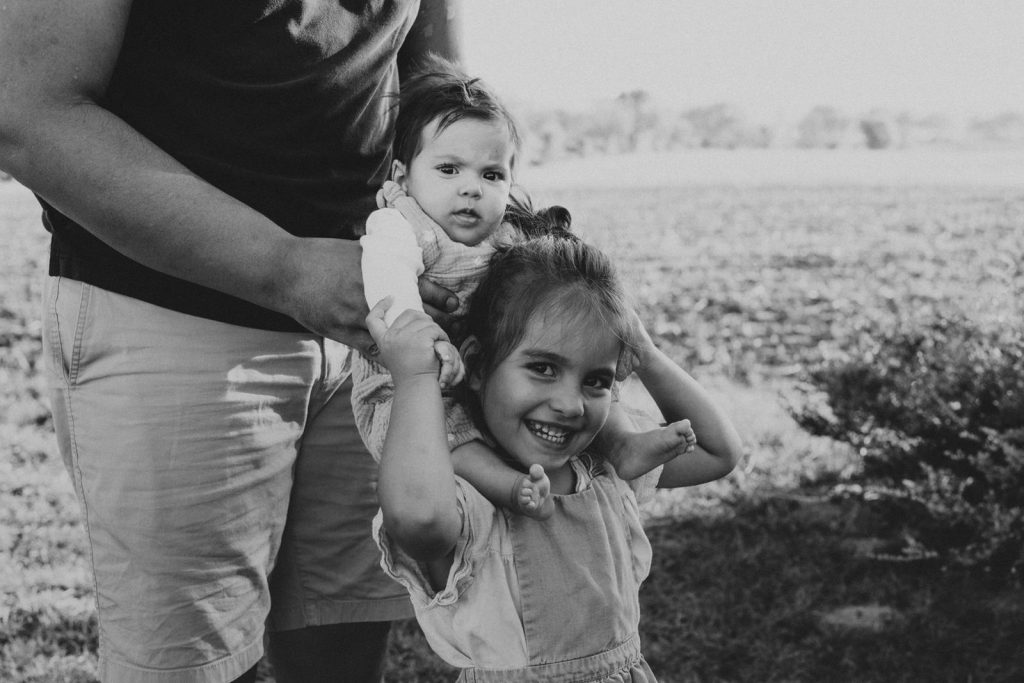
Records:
x=544, y=369
x=494, y=176
x=600, y=383
x=447, y=169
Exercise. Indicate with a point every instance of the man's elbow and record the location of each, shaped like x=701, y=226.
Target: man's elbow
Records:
x=23, y=122
x=12, y=138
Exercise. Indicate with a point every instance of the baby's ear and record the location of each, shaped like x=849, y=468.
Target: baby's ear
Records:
x=398, y=173
x=470, y=352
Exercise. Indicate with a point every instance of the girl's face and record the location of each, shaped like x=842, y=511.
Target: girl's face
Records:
x=461, y=177
x=547, y=400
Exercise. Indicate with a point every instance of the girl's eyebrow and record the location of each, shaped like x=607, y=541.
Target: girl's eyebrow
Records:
x=542, y=354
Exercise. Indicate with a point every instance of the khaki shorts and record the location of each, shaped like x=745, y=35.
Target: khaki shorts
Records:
x=204, y=455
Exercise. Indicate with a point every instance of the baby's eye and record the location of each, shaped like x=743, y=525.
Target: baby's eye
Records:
x=494, y=176
x=447, y=169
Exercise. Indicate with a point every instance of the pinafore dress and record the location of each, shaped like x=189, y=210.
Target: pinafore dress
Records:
x=579, y=578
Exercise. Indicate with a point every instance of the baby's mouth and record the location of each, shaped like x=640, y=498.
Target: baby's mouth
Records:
x=552, y=434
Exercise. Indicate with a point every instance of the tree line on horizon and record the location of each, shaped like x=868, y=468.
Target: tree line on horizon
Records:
x=633, y=122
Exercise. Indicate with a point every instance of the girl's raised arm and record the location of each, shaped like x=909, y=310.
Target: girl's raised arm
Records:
x=416, y=487
x=679, y=396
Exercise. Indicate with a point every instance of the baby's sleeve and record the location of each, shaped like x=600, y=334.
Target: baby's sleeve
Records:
x=391, y=263
x=477, y=525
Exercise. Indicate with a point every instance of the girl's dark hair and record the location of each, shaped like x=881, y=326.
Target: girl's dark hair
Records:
x=439, y=90
x=542, y=273
x=530, y=222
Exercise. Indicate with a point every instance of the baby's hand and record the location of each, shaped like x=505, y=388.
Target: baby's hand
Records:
x=452, y=369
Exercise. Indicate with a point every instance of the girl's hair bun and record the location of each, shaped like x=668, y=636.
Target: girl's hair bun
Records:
x=557, y=218
x=553, y=220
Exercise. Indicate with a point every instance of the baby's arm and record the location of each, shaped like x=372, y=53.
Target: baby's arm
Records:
x=392, y=263
x=416, y=487
x=501, y=484
x=680, y=397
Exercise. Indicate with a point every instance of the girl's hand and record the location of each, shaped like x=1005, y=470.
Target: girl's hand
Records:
x=639, y=358
x=407, y=348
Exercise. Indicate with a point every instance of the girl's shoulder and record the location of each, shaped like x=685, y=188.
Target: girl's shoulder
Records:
x=590, y=468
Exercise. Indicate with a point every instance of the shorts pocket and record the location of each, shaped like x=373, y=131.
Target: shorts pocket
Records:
x=66, y=314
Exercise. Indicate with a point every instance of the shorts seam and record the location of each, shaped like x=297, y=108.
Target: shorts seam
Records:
x=69, y=378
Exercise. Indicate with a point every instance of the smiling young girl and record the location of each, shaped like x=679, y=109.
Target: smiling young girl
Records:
x=508, y=597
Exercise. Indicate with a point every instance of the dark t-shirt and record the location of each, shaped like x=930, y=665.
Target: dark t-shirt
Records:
x=282, y=104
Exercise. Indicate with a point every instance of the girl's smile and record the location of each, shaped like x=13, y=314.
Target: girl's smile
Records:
x=546, y=401
x=551, y=433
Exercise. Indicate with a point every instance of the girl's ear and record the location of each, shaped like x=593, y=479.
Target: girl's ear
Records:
x=470, y=352
x=398, y=173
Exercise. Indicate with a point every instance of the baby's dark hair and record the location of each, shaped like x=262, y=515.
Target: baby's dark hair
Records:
x=547, y=274
x=438, y=89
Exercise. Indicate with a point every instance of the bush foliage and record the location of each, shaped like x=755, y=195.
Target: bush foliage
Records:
x=936, y=410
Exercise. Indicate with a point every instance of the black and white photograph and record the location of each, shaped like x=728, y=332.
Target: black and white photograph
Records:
x=485, y=341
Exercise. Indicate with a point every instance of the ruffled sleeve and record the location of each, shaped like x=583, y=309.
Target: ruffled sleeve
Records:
x=478, y=518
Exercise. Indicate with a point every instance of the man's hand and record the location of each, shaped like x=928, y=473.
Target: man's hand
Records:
x=438, y=302
x=321, y=286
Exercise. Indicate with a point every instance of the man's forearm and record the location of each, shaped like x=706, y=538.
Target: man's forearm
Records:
x=96, y=169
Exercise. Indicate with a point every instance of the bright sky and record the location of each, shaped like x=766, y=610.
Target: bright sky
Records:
x=774, y=58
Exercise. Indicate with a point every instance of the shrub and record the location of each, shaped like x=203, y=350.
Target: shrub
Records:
x=936, y=411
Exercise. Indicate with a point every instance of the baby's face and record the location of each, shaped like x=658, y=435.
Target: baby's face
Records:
x=461, y=177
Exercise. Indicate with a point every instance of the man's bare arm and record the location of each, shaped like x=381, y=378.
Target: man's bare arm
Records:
x=56, y=58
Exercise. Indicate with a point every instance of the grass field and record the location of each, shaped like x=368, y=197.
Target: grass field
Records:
x=746, y=283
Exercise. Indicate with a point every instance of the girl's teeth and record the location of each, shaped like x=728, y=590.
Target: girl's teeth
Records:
x=552, y=434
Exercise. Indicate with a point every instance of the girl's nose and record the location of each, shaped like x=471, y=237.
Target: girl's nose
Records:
x=567, y=401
